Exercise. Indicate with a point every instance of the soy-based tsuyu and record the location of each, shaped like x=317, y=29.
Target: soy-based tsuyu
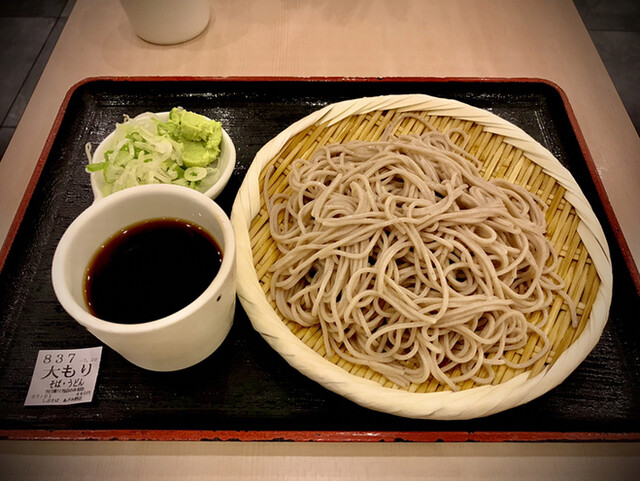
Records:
x=150, y=270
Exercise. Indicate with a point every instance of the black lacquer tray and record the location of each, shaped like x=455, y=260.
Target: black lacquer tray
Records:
x=245, y=390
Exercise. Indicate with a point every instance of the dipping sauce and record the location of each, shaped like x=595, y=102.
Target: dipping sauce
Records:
x=150, y=270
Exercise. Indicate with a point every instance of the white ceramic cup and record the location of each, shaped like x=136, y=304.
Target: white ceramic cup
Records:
x=181, y=339
x=167, y=22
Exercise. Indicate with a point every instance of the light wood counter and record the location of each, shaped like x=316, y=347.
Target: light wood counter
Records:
x=542, y=39
x=187, y=461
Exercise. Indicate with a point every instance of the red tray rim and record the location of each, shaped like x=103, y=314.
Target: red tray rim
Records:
x=309, y=436
x=318, y=436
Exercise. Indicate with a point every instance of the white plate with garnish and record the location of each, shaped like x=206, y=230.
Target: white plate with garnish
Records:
x=177, y=147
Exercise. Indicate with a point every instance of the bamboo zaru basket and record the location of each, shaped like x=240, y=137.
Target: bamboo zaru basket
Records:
x=506, y=152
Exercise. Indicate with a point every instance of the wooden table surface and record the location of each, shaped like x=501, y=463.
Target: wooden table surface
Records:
x=542, y=39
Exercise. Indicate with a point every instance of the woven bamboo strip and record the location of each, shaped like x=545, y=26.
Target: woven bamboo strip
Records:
x=346, y=129
x=537, y=179
x=492, y=160
x=478, y=146
x=516, y=165
x=581, y=286
x=499, y=159
x=592, y=283
x=568, y=254
x=475, y=132
x=273, y=254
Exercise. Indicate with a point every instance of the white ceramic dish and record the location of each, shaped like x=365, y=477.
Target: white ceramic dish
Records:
x=227, y=160
x=181, y=339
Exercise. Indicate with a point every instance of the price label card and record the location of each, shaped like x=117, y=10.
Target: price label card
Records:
x=64, y=377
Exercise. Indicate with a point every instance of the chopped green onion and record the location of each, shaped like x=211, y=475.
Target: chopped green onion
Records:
x=195, y=173
x=147, y=151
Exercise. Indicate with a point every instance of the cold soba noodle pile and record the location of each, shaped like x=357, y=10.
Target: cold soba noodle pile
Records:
x=410, y=262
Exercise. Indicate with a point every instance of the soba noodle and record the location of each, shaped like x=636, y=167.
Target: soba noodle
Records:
x=410, y=262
